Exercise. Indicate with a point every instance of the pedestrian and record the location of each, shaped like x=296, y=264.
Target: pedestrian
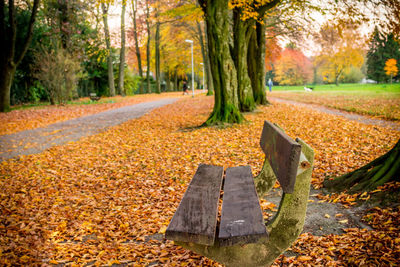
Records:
x=270, y=84
x=185, y=88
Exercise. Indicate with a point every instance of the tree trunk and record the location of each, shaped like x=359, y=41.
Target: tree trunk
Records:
x=376, y=173
x=168, y=88
x=157, y=54
x=148, y=46
x=226, y=102
x=176, y=85
x=135, y=36
x=203, y=52
x=6, y=78
x=210, y=85
x=121, y=88
x=241, y=37
x=9, y=59
x=110, y=67
x=256, y=63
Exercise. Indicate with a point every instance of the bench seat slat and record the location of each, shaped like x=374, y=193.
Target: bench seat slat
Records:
x=241, y=219
x=196, y=217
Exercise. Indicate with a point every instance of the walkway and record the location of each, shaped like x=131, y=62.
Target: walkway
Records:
x=36, y=140
x=348, y=115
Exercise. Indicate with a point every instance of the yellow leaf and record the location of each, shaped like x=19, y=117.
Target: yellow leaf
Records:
x=304, y=258
x=162, y=230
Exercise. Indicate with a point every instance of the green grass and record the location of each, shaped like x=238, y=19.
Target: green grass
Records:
x=362, y=89
x=76, y=102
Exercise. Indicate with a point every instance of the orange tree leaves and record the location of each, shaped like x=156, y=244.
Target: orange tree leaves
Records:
x=105, y=198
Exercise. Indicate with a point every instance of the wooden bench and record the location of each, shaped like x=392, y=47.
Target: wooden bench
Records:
x=94, y=97
x=241, y=222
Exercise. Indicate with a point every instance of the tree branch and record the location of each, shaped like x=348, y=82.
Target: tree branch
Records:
x=29, y=34
x=12, y=30
x=268, y=6
x=2, y=26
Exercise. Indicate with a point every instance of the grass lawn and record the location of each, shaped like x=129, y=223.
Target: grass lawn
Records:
x=349, y=88
x=379, y=100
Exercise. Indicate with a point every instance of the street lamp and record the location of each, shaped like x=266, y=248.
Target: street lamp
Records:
x=203, y=76
x=191, y=42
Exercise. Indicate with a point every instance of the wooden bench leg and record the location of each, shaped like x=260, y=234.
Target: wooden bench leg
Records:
x=283, y=230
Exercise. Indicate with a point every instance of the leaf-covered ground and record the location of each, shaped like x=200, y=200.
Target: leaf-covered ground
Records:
x=24, y=119
x=98, y=200
x=382, y=106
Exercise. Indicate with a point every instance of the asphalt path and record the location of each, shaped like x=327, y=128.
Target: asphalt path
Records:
x=37, y=140
x=348, y=115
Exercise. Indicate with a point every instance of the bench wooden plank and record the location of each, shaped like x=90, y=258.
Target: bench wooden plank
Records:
x=283, y=154
x=241, y=218
x=196, y=217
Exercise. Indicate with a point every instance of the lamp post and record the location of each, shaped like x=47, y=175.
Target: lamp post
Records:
x=191, y=42
x=203, y=77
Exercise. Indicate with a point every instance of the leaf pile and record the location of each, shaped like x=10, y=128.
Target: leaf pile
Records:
x=350, y=200
x=356, y=247
x=107, y=198
x=384, y=106
x=25, y=119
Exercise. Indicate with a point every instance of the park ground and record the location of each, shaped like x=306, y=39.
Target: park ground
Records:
x=107, y=198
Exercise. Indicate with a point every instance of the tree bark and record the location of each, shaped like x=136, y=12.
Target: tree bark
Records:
x=203, y=52
x=138, y=56
x=9, y=60
x=176, y=85
x=121, y=88
x=241, y=37
x=226, y=101
x=210, y=85
x=157, y=54
x=148, y=46
x=168, y=88
x=376, y=173
x=110, y=67
x=256, y=63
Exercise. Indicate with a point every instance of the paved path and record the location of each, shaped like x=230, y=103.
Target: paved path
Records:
x=347, y=115
x=36, y=140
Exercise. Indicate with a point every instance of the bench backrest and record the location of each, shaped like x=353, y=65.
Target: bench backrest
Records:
x=283, y=154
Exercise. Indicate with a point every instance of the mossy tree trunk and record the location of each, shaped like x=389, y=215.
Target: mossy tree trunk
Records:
x=210, y=85
x=157, y=54
x=135, y=36
x=376, y=173
x=226, y=102
x=256, y=63
x=121, y=74
x=241, y=37
x=110, y=67
x=148, y=46
x=10, y=56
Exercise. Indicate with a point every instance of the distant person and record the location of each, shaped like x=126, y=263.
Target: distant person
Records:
x=185, y=88
x=270, y=84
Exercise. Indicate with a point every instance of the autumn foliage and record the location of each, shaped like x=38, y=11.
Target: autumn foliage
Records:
x=293, y=68
x=391, y=67
x=107, y=198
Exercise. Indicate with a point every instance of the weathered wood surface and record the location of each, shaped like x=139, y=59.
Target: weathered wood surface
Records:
x=241, y=218
x=283, y=154
x=196, y=217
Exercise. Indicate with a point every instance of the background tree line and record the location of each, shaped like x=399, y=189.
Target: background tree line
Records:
x=58, y=50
